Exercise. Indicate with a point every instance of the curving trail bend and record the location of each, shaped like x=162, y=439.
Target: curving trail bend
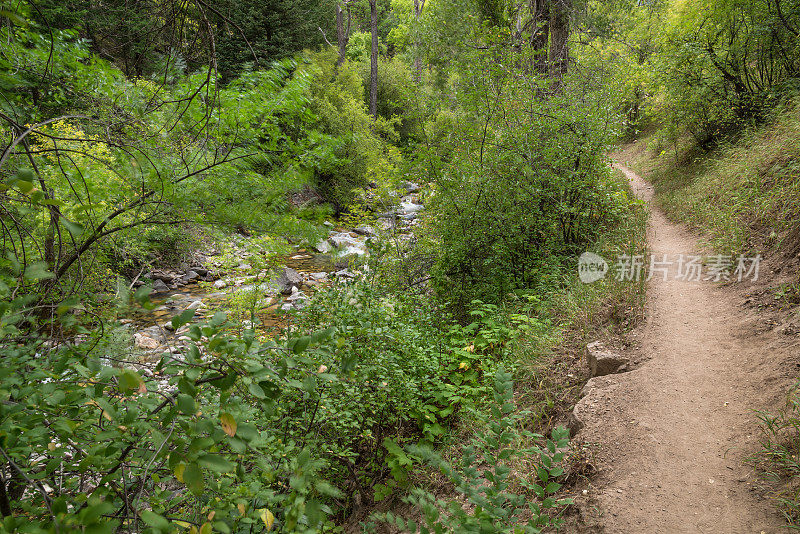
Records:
x=673, y=434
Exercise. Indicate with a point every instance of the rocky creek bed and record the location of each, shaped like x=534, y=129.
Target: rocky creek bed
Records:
x=207, y=286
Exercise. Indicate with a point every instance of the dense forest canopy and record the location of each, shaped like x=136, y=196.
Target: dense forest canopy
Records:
x=137, y=135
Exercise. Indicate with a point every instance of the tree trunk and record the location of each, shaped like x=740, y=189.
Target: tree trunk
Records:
x=342, y=32
x=418, y=7
x=373, y=71
x=559, y=34
x=540, y=33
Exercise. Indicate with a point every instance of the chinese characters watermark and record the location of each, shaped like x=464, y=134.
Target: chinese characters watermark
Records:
x=684, y=267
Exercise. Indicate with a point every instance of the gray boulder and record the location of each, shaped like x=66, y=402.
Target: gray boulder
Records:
x=160, y=287
x=344, y=273
x=296, y=295
x=319, y=277
x=287, y=279
x=348, y=244
x=366, y=230
x=411, y=187
x=603, y=362
x=323, y=247
x=165, y=277
x=144, y=342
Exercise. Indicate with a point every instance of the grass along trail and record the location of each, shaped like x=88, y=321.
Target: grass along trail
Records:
x=673, y=434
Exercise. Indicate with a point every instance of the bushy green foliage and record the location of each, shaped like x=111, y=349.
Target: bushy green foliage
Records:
x=268, y=31
x=145, y=156
x=706, y=68
x=726, y=62
x=411, y=368
x=491, y=506
x=625, y=39
x=521, y=184
x=234, y=430
x=361, y=155
x=395, y=95
x=136, y=449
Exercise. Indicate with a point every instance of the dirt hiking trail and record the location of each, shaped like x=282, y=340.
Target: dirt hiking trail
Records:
x=673, y=434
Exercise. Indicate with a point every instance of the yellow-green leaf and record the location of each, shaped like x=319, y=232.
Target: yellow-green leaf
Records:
x=179, y=469
x=267, y=517
x=129, y=381
x=228, y=424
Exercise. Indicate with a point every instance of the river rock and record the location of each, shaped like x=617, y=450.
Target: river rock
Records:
x=288, y=279
x=603, y=362
x=220, y=284
x=411, y=187
x=365, y=229
x=344, y=273
x=407, y=206
x=165, y=277
x=195, y=305
x=160, y=287
x=323, y=247
x=144, y=342
x=296, y=295
x=319, y=277
x=154, y=332
x=348, y=244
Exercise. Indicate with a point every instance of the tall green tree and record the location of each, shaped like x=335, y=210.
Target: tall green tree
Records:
x=259, y=32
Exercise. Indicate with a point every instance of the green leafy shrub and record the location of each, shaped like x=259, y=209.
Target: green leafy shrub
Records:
x=491, y=507
x=360, y=156
x=517, y=194
x=395, y=94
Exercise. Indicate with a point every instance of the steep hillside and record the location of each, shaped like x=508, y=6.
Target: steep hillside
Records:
x=743, y=196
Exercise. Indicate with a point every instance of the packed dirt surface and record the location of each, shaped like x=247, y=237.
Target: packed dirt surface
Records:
x=673, y=435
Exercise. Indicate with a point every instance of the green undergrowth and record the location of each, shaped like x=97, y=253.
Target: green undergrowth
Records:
x=744, y=195
x=550, y=373
x=778, y=460
x=537, y=337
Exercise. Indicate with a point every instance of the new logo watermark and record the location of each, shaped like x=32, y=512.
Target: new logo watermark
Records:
x=591, y=267
x=685, y=267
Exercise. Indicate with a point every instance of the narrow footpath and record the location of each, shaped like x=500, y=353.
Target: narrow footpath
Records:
x=672, y=436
